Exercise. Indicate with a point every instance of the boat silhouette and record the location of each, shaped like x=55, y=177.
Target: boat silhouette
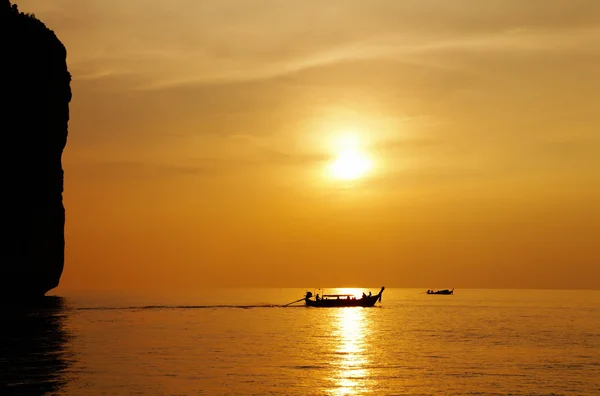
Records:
x=342, y=300
x=444, y=291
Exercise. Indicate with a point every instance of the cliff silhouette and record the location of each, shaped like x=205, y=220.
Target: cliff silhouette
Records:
x=34, y=114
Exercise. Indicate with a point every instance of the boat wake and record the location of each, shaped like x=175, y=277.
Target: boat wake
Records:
x=166, y=307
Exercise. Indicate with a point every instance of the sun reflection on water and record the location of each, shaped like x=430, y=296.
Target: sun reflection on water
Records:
x=352, y=373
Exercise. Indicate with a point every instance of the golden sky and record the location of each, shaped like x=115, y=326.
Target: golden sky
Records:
x=202, y=137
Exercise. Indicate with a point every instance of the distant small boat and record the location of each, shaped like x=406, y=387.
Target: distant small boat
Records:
x=342, y=300
x=444, y=291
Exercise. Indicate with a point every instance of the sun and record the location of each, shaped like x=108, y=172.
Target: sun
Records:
x=350, y=164
x=349, y=157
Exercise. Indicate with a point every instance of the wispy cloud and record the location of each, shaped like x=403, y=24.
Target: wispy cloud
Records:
x=122, y=169
x=189, y=42
x=178, y=67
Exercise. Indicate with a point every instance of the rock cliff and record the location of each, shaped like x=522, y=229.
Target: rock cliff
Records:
x=34, y=113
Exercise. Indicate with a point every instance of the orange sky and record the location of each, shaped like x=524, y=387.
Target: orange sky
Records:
x=202, y=131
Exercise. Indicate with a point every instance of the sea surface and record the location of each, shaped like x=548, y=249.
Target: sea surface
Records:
x=242, y=342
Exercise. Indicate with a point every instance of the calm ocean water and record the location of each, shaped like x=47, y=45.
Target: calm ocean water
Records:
x=238, y=342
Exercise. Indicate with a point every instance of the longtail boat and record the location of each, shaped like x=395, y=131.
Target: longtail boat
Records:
x=444, y=291
x=342, y=300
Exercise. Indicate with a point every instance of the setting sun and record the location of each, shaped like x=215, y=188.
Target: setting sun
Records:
x=350, y=165
x=349, y=161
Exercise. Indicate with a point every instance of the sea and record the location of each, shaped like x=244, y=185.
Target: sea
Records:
x=244, y=342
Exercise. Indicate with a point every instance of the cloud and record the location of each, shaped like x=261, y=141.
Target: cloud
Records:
x=189, y=42
x=193, y=66
x=123, y=169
